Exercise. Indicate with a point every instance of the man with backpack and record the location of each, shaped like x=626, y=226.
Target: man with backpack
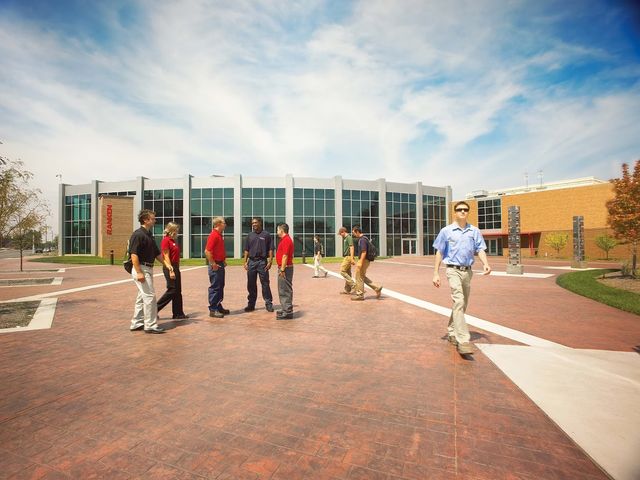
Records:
x=366, y=254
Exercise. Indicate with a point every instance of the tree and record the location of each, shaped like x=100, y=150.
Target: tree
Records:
x=556, y=240
x=624, y=210
x=606, y=243
x=21, y=207
x=25, y=239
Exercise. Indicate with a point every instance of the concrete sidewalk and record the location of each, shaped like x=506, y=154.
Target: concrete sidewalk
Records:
x=346, y=390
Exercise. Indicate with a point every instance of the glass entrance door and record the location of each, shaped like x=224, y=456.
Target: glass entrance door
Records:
x=494, y=246
x=409, y=246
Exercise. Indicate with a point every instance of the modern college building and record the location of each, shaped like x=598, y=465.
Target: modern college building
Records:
x=400, y=218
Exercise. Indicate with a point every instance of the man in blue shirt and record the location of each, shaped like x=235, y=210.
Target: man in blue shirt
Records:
x=258, y=257
x=456, y=245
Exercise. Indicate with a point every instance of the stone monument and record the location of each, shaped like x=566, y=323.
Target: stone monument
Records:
x=514, y=267
x=578, y=243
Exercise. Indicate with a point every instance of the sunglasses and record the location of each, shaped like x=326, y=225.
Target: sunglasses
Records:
x=462, y=209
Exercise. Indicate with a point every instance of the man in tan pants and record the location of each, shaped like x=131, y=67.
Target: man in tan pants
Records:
x=456, y=245
x=347, y=261
x=362, y=266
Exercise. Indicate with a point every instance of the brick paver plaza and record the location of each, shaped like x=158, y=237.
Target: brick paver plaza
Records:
x=347, y=390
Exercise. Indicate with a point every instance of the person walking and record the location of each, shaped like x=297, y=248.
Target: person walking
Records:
x=258, y=257
x=284, y=260
x=217, y=258
x=362, y=266
x=144, y=251
x=348, y=251
x=171, y=254
x=456, y=245
x=318, y=253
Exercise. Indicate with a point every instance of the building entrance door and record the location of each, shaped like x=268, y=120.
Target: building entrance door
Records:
x=494, y=246
x=409, y=246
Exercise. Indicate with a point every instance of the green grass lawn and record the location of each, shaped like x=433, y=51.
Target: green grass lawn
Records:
x=585, y=284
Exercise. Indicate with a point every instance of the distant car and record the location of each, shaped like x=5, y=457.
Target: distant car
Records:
x=38, y=250
x=46, y=250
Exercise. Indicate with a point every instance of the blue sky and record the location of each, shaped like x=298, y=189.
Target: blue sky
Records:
x=471, y=94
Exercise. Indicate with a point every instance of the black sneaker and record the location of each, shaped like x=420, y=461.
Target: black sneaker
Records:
x=223, y=310
x=269, y=308
x=249, y=308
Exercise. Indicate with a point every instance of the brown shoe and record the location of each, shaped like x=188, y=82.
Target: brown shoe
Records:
x=344, y=292
x=379, y=292
x=357, y=298
x=452, y=340
x=465, y=349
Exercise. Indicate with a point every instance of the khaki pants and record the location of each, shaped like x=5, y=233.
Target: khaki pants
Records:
x=361, y=279
x=460, y=284
x=145, y=311
x=345, y=271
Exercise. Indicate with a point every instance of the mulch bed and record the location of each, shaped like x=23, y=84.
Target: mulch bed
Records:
x=616, y=280
x=18, y=314
x=25, y=281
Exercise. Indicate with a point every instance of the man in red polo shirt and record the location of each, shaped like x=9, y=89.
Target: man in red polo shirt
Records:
x=284, y=259
x=216, y=256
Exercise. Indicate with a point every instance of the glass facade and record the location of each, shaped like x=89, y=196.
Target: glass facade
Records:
x=168, y=205
x=314, y=213
x=207, y=203
x=434, y=218
x=362, y=207
x=77, y=224
x=401, y=221
x=489, y=214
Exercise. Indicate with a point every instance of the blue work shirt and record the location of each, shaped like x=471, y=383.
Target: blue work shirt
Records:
x=458, y=246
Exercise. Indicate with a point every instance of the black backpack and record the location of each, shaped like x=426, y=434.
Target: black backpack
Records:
x=372, y=251
x=128, y=263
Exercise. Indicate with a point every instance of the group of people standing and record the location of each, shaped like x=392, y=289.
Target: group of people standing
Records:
x=455, y=245
x=258, y=259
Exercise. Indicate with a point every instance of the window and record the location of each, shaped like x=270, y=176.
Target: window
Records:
x=401, y=220
x=168, y=205
x=314, y=213
x=362, y=207
x=77, y=224
x=207, y=203
x=434, y=218
x=489, y=214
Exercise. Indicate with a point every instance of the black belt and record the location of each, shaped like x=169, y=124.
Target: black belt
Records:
x=258, y=258
x=147, y=264
x=459, y=267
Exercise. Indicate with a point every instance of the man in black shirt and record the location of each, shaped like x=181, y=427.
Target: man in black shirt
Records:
x=258, y=256
x=144, y=252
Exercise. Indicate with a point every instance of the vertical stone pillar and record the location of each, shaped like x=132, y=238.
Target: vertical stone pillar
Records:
x=514, y=266
x=578, y=243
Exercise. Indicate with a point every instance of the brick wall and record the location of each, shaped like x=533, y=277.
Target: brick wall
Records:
x=114, y=236
x=553, y=211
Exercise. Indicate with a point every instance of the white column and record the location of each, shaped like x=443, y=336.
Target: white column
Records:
x=419, y=220
x=237, y=216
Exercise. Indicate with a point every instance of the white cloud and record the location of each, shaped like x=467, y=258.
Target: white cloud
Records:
x=274, y=87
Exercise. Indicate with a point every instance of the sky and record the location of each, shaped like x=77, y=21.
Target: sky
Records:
x=472, y=94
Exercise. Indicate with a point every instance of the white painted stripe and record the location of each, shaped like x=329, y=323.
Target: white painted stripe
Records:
x=506, y=332
x=42, y=318
x=570, y=268
x=494, y=273
x=88, y=287
x=57, y=281
x=62, y=270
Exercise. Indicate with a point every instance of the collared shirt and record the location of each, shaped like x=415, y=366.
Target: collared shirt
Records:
x=258, y=244
x=318, y=248
x=215, y=245
x=170, y=244
x=458, y=246
x=347, y=243
x=285, y=247
x=143, y=245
